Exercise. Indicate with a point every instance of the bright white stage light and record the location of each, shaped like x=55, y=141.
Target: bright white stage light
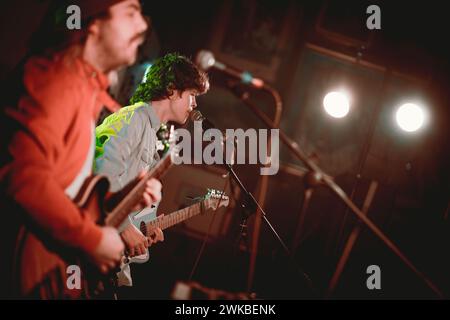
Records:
x=410, y=117
x=336, y=104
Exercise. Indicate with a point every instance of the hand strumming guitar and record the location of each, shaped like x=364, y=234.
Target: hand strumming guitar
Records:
x=109, y=252
x=133, y=238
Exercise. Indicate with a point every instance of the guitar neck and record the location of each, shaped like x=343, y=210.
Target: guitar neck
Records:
x=134, y=197
x=176, y=217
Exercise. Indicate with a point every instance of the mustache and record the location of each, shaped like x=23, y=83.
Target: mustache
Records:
x=140, y=37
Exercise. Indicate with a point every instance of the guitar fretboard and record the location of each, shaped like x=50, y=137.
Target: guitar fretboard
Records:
x=176, y=217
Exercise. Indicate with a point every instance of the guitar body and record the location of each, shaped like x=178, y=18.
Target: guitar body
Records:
x=140, y=220
x=41, y=264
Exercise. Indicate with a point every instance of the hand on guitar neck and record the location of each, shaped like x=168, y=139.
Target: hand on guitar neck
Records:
x=137, y=243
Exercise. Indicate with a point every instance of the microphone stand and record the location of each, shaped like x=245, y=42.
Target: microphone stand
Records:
x=251, y=205
x=334, y=188
x=263, y=183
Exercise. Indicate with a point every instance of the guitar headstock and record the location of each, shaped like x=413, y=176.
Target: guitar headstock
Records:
x=213, y=197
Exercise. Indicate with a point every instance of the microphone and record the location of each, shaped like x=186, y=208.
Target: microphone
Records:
x=198, y=116
x=206, y=124
x=205, y=60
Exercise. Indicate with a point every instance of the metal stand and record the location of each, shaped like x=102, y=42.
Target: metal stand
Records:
x=334, y=188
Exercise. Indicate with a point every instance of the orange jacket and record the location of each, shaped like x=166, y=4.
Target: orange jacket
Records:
x=64, y=95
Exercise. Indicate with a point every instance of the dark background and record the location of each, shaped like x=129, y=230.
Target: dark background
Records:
x=304, y=49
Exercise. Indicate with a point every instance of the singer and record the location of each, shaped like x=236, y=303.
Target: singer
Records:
x=126, y=141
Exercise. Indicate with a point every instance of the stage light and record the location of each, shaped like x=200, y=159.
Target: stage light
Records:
x=410, y=117
x=336, y=104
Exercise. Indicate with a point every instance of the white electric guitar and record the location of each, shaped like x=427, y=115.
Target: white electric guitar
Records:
x=213, y=199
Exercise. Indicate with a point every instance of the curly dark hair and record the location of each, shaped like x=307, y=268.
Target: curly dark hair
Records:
x=170, y=72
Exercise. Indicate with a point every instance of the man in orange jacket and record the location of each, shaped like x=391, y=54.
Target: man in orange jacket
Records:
x=50, y=151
